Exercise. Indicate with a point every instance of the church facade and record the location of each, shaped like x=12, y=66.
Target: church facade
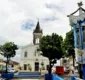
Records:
x=31, y=59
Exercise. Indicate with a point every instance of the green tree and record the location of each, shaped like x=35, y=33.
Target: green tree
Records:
x=29, y=67
x=68, y=48
x=42, y=66
x=8, y=50
x=50, y=46
x=68, y=45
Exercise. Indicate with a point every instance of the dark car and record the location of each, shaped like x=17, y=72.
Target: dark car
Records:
x=2, y=71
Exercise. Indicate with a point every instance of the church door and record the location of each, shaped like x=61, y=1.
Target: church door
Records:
x=25, y=67
x=36, y=66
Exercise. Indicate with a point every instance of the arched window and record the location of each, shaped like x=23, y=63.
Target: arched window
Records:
x=25, y=54
x=37, y=40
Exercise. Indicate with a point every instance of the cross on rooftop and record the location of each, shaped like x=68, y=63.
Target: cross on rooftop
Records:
x=80, y=4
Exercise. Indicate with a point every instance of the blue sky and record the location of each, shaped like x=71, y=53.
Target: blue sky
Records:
x=27, y=25
x=18, y=19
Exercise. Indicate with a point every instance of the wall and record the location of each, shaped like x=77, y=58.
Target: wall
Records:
x=31, y=58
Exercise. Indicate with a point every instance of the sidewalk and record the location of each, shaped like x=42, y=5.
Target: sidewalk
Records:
x=25, y=79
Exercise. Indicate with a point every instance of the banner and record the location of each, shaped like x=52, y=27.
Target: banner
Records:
x=80, y=56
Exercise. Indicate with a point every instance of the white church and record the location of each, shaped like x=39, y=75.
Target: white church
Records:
x=30, y=56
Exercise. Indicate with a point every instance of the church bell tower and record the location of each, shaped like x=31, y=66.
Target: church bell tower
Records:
x=37, y=34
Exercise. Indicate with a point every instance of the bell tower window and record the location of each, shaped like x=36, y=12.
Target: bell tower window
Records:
x=37, y=41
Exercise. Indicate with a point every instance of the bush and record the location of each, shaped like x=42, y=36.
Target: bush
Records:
x=29, y=67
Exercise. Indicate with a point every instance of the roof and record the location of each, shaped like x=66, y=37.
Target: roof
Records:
x=14, y=62
x=1, y=60
x=73, y=19
x=29, y=45
x=37, y=29
x=80, y=8
x=77, y=11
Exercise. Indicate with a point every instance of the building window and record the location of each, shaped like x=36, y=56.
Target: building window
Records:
x=25, y=54
x=37, y=41
x=25, y=66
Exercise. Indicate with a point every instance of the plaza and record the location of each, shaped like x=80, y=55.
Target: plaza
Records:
x=25, y=79
x=43, y=40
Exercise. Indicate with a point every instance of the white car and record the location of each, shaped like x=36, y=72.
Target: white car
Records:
x=11, y=70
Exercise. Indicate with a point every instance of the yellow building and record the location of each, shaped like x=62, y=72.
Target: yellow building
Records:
x=14, y=64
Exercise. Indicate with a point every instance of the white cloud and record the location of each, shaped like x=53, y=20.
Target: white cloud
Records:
x=13, y=13
x=17, y=57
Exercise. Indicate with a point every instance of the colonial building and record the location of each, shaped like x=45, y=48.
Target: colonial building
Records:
x=67, y=63
x=30, y=56
x=2, y=64
x=14, y=64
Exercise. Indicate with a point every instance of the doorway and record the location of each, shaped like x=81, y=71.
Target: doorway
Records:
x=25, y=67
x=36, y=66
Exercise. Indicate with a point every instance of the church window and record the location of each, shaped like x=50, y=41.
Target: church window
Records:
x=37, y=40
x=25, y=54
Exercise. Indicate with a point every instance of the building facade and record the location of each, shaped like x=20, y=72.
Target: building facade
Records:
x=31, y=59
x=67, y=63
x=13, y=64
x=2, y=64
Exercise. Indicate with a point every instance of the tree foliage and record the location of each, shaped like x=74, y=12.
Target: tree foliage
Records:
x=68, y=45
x=8, y=50
x=50, y=45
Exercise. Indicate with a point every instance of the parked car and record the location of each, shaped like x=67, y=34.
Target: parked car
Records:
x=9, y=70
x=12, y=70
x=3, y=70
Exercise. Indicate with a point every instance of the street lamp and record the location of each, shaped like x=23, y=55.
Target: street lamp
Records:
x=78, y=24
